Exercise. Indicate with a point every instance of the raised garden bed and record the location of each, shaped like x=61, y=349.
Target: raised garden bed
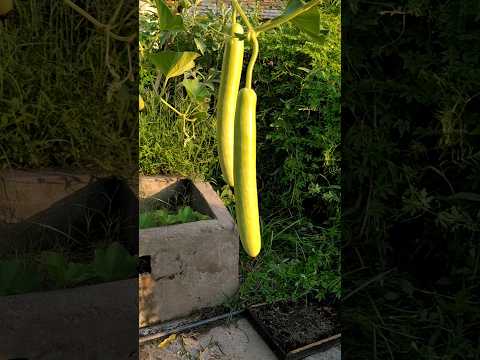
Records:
x=192, y=265
x=62, y=271
x=296, y=330
x=67, y=230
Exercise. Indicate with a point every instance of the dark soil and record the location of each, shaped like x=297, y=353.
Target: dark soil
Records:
x=294, y=325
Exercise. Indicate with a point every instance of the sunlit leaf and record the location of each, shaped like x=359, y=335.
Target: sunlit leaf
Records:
x=167, y=21
x=165, y=343
x=195, y=89
x=171, y=63
x=201, y=46
x=308, y=22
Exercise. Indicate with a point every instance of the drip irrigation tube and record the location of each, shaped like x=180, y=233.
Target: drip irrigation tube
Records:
x=159, y=331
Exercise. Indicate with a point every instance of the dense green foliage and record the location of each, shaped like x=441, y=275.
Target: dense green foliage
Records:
x=59, y=104
x=412, y=170
x=162, y=217
x=298, y=135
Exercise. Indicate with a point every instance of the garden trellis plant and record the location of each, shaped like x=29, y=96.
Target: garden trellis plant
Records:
x=236, y=108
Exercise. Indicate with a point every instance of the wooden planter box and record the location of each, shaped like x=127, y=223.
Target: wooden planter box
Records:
x=193, y=265
x=327, y=335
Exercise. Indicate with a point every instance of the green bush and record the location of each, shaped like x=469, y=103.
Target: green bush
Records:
x=298, y=133
x=298, y=83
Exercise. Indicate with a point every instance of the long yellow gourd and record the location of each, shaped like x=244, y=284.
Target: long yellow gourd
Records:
x=246, y=201
x=227, y=99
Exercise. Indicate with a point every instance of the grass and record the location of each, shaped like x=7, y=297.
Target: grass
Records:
x=61, y=107
x=170, y=145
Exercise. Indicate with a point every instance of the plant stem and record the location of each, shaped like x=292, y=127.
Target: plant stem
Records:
x=253, y=59
x=97, y=23
x=172, y=108
x=282, y=19
x=242, y=14
x=164, y=87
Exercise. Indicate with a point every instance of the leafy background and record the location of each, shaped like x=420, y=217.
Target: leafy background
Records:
x=297, y=81
x=410, y=179
x=60, y=107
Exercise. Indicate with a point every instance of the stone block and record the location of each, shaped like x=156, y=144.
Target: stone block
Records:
x=88, y=322
x=193, y=265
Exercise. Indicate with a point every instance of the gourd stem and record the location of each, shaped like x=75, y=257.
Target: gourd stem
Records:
x=249, y=75
x=234, y=20
x=98, y=24
x=242, y=14
x=280, y=20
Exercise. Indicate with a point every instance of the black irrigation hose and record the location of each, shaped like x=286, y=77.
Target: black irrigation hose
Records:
x=159, y=331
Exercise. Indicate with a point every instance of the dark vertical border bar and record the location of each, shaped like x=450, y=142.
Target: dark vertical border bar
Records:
x=411, y=189
x=69, y=179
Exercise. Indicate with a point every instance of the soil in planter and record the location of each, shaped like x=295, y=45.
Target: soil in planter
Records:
x=294, y=325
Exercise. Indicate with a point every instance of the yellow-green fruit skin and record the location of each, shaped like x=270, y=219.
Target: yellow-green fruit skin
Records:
x=227, y=99
x=245, y=175
x=5, y=6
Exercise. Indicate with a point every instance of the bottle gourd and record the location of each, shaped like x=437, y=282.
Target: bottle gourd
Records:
x=246, y=201
x=227, y=99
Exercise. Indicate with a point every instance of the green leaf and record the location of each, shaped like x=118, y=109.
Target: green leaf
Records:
x=308, y=22
x=171, y=63
x=167, y=21
x=55, y=266
x=78, y=273
x=201, y=46
x=18, y=278
x=185, y=214
x=114, y=263
x=195, y=89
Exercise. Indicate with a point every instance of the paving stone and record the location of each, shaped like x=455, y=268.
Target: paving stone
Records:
x=334, y=353
x=88, y=322
x=235, y=341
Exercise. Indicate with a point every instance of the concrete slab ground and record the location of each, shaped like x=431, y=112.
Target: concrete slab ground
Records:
x=234, y=341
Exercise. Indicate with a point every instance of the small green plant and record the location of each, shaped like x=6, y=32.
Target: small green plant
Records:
x=52, y=270
x=162, y=217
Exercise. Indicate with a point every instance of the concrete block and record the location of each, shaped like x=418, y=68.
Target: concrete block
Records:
x=26, y=193
x=88, y=322
x=193, y=265
x=38, y=206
